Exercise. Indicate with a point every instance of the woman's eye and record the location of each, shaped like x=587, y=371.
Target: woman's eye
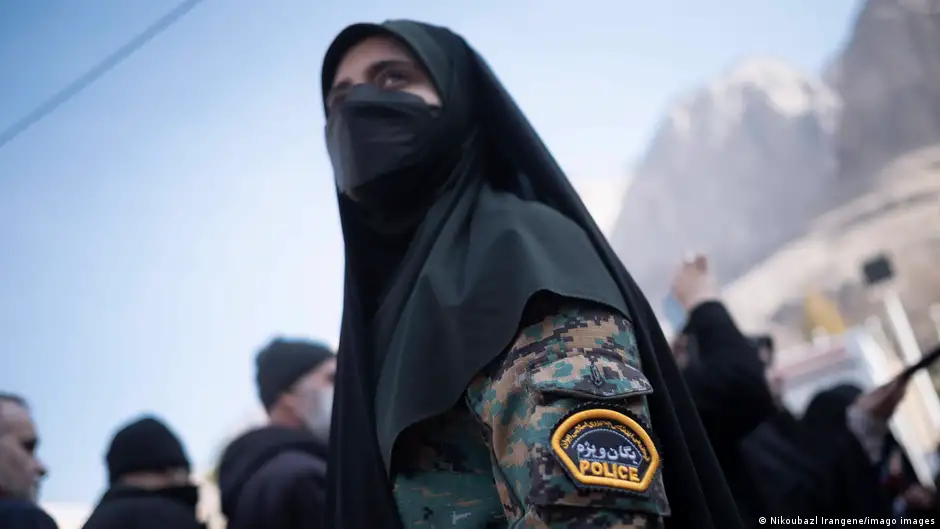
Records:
x=392, y=80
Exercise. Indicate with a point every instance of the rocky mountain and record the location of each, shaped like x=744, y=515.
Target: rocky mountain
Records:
x=734, y=170
x=743, y=165
x=889, y=82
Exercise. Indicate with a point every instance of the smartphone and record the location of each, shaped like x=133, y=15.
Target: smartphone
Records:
x=925, y=362
x=675, y=313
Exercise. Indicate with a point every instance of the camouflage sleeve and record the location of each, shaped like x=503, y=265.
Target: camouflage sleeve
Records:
x=567, y=423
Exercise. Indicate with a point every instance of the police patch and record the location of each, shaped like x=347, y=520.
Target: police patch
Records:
x=606, y=448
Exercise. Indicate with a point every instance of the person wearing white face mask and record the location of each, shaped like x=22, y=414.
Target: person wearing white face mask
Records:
x=274, y=476
x=315, y=404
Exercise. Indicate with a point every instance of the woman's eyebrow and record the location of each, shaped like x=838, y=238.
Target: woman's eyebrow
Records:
x=371, y=72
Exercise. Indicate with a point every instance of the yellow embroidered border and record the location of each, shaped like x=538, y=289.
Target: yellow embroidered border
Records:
x=600, y=413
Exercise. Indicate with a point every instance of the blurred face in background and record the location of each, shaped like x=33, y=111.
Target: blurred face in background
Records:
x=773, y=375
x=685, y=350
x=312, y=399
x=174, y=477
x=680, y=350
x=173, y=484
x=21, y=471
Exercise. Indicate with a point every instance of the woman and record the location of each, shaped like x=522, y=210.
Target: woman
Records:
x=846, y=452
x=497, y=365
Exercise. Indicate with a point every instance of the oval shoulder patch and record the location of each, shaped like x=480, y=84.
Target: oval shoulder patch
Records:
x=604, y=447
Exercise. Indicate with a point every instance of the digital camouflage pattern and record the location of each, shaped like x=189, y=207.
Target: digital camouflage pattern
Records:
x=444, y=476
x=489, y=463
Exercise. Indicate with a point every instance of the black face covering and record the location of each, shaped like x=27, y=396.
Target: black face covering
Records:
x=186, y=494
x=184, y=498
x=382, y=145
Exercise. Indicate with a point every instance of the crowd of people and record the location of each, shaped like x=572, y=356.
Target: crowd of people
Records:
x=839, y=460
x=497, y=365
x=270, y=476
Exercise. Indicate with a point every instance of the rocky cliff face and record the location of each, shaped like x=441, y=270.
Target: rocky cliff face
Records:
x=745, y=164
x=889, y=82
x=734, y=170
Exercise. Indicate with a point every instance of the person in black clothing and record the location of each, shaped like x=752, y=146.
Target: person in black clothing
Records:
x=23, y=514
x=21, y=471
x=727, y=381
x=909, y=498
x=783, y=422
x=274, y=476
x=149, y=481
x=845, y=430
x=775, y=449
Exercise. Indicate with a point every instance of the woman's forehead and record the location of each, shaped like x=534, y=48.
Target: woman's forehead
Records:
x=367, y=53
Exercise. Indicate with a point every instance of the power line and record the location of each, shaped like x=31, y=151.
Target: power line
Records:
x=96, y=72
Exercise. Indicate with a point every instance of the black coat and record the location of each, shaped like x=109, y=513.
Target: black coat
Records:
x=794, y=484
x=274, y=477
x=21, y=514
x=133, y=508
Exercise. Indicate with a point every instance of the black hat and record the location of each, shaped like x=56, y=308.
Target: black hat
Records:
x=146, y=444
x=283, y=362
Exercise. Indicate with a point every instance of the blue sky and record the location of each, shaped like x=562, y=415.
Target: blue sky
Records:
x=161, y=226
